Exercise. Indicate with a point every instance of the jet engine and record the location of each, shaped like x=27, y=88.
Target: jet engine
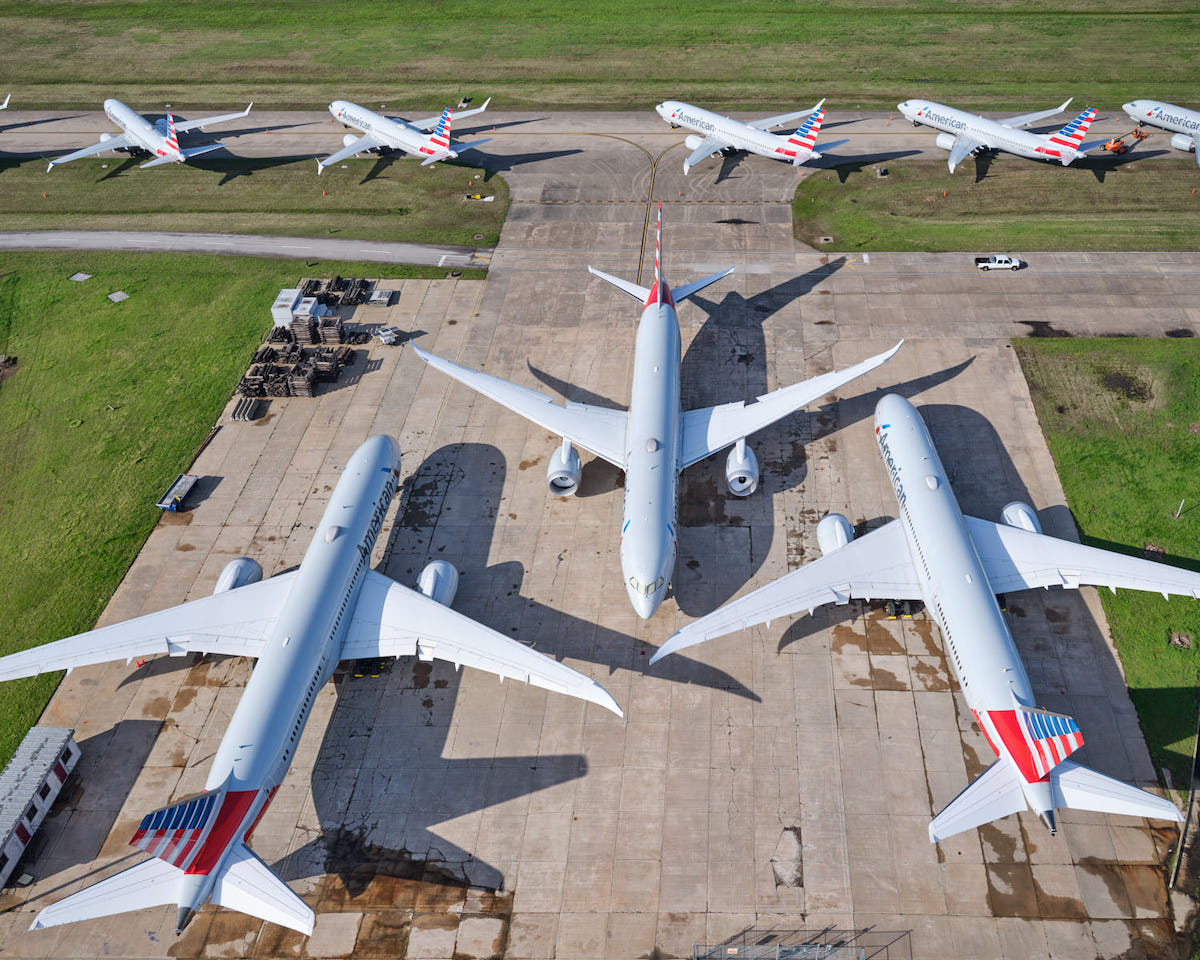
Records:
x=945, y=141
x=105, y=137
x=1022, y=516
x=563, y=472
x=833, y=532
x=1181, y=141
x=439, y=582
x=741, y=470
x=692, y=141
x=348, y=139
x=238, y=573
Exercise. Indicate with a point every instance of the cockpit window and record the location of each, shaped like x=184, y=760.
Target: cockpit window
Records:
x=633, y=582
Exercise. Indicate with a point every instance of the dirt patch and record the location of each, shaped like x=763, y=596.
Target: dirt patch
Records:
x=1181, y=333
x=1127, y=385
x=844, y=637
x=526, y=464
x=171, y=519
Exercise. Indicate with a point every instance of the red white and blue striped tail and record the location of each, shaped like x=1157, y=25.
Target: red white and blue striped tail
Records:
x=177, y=833
x=659, y=292
x=172, y=139
x=805, y=137
x=1072, y=134
x=440, y=138
x=1051, y=738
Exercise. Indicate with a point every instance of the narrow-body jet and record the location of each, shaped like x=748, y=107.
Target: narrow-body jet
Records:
x=965, y=134
x=957, y=565
x=718, y=134
x=299, y=625
x=139, y=136
x=1182, y=122
x=428, y=139
x=655, y=439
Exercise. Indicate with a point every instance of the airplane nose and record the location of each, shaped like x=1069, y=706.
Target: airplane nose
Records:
x=1130, y=107
x=645, y=606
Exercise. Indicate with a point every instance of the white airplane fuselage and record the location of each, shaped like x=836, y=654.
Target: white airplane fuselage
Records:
x=990, y=133
x=653, y=444
x=297, y=658
x=395, y=133
x=1167, y=116
x=955, y=586
x=741, y=136
x=151, y=137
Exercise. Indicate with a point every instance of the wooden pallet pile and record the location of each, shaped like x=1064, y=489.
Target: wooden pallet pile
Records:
x=280, y=335
x=302, y=379
x=330, y=330
x=304, y=329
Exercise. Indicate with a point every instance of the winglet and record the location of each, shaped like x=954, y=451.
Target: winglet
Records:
x=819, y=104
x=485, y=104
x=320, y=168
x=246, y=112
x=4, y=105
x=1066, y=104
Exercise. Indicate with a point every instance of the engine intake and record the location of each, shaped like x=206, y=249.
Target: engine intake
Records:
x=833, y=532
x=741, y=470
x=348, y=139
x=945, y=140
x=692, y=141
x=564, y=471
x=1022, y=516
x=237, y=573
x=439, y=582
x=1181, y=141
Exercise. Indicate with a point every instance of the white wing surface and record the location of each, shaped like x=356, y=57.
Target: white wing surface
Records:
x=995, y=793
x=430, y=122
x=121, y=140
x=1027, y=118
x=598, y=429
x=233, y=623
x=1016, y=559
x=149, y=884
x=708, y=146
x=963, y=147
x=391, y=620
x=365, y=142
x=709, y=429
x=247, y=885
x=205, y=121
x=770, y=123
x=874, y=566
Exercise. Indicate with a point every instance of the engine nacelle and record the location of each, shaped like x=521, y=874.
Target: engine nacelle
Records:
x=238, y=573
x=348, y=139
x=564, y=471
x=692, y=141
x=833, y=532
x=1181, y=141
x=1022, y=516
x=741, y=470
x=439, y=582
x=105, y=137
x=945, y=140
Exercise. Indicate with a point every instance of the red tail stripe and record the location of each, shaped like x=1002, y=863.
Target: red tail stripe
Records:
x=234, y=807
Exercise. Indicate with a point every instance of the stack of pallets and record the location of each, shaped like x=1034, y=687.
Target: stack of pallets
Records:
x=304, y=329
x=330, y=330
x=302, y=379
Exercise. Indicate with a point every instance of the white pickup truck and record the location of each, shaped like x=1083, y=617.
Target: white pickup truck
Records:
x=998, y=261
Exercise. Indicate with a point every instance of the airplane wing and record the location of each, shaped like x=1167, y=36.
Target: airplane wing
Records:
x=963, y=147
x=707, y=148
x=121, y=140
x=430, y=122
x=365, y=142
x=205, y=121
x=1017, y=559
x=598, y=429
x=1027, y=118
x=770, y=123
x=875, y=566
x=233, y=623
x=709, y=429
x=391, y=620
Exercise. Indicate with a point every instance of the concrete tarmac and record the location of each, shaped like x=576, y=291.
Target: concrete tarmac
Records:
x=781, y=778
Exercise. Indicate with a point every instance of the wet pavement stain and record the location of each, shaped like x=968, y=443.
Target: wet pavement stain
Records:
x=932, y=679
x=421, y=674
x=880, y=679
x=1011, y=890
x=844, y=638
x=1139, y=885
x=185, y=547
x=526, y=464
x=880, y=639
x=923, y=628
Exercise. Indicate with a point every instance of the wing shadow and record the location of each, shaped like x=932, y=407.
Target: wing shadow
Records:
x=493, y=163
x=490, y=127
x=569, y=391
x=844, y=166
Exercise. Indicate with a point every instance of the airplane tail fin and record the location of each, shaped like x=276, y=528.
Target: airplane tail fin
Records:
x=1036, y=740
x=182, y=155
x=805, y=138
x=172, y=137
x=439, y=138
x=660, y=292
x=1072, y=134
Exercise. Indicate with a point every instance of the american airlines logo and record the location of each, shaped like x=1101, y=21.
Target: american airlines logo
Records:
x=946, y=121
x=695, y=122
x=1185, y=122
x=381, y=508
x=357, y=121
x=893, y=470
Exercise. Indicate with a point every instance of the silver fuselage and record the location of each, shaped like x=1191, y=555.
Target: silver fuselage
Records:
x=989, y=133
x=149, y=136
x=1166, y=116
x=394, y=133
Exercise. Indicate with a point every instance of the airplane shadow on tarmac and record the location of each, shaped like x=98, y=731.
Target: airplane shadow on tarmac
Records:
x=1060, y=643
x=844, y=166
x=378, y=818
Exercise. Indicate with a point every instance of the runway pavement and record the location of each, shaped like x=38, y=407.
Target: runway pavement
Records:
x=780, y=778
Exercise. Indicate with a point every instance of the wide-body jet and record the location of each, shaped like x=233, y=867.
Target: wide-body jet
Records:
x=159, y=139
x=428, y=138
x=720, y=134
x=957, y=565
x=966, y=134
x=299, y=626
x=1184, y=123
x=655, y=439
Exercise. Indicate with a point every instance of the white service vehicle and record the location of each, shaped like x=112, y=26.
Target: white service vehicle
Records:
x=999, y=261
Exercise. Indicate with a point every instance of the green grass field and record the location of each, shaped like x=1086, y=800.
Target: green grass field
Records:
x=1120, y=416
x=107, y=404
x=403, y=201
x=1022, y=205
x=538, y=55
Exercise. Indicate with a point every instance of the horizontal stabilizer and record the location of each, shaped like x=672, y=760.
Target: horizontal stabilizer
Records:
x=247, y=885
x=825, y=147
x=1078, y=788
x=149, y=884
x=682, y=293
x=994, y=794
x=638, y=293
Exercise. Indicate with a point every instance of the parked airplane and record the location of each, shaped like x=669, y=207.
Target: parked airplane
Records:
x=429, y=138
x=969, y=133
x=957, y=565
x=656, y=438
x=1167, y=116
x=159, y=139
x=722, y=134
x=299, y=625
